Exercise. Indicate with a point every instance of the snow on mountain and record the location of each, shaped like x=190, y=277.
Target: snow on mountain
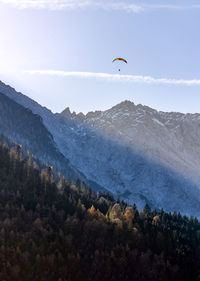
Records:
x=23, y=136
x=144, y=155
x=170, y=138
x=136, y=152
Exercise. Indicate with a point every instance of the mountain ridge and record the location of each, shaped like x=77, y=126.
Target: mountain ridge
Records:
x=138, y=153
x=21, y=126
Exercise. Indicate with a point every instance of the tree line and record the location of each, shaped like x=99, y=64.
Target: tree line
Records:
x=56, y=230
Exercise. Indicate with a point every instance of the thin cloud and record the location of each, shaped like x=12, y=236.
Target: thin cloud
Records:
x=116, y=77
x=101, y=4
x=71, y=4
x=170, y=7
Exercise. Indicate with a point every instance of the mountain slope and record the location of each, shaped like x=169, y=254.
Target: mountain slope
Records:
x=136, y=152
x=20, y=125
x=171, y=138
x=144, y=155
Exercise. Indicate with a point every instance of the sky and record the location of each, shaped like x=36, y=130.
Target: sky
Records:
x=60, y=52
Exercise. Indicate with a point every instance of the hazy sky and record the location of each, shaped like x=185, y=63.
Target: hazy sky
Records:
x=60, y=52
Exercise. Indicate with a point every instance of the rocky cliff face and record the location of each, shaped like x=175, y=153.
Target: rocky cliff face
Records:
x=169, y=138
x=20, y=125
x=138, y=153
x=141, y=154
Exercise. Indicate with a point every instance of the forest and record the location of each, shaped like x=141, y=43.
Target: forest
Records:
x=52, y=229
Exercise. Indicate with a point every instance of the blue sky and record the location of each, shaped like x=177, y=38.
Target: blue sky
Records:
x=60, y=52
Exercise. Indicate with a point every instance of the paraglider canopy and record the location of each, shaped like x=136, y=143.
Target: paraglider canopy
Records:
x=119, y=59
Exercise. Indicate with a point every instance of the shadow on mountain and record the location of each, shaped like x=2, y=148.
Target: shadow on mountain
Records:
x=24, y=127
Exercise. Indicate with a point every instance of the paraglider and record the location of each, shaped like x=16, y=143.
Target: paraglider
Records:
x=119, y=59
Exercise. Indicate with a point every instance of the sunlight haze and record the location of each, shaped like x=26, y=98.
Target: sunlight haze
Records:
x=60, y=53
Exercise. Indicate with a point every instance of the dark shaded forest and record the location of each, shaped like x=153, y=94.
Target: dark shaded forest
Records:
x=22, y=126
x=54, y=230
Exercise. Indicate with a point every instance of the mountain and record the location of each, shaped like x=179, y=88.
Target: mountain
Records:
x=143, y=155
x=168, y=138
x=22, y=126
x=138, y=153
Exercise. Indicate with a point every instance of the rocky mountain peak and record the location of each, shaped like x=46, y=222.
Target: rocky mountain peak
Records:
x=125, y=105
x=66, y=112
